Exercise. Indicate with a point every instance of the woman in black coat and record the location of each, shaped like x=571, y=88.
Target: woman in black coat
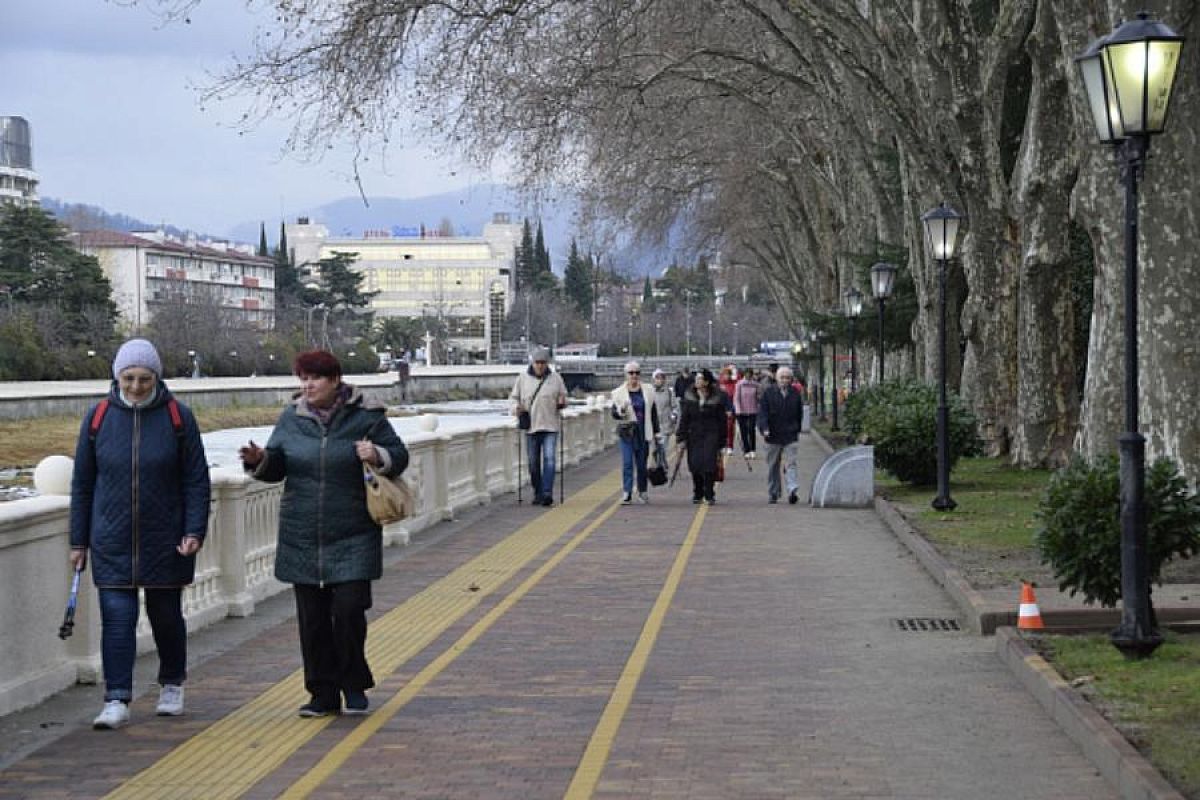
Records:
x=702, y=431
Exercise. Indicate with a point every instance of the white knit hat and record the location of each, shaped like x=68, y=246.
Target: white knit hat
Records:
x=633, y=366
x=137, y=353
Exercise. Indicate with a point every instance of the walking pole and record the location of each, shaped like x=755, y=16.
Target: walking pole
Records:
x=68, y=623
x=562, y=459
x=520, y=455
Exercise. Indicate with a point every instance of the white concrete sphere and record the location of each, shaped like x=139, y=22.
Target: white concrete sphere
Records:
x=428, y=422
x=53, y=475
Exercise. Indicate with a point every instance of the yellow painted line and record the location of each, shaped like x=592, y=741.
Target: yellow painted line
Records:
x=359, y=736
x=230, y=756
x=587, y=774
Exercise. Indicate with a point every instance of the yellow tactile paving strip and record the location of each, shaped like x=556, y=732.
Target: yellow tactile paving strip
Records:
x=359, y=736
x=228, y=758
x=595, y=757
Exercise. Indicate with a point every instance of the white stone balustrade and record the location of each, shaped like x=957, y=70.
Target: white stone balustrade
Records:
x=234, y=571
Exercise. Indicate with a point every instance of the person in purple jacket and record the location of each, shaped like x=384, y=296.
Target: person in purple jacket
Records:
x=139, y=508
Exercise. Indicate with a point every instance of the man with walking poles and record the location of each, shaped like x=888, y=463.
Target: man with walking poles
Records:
x=539, y=395
x=780, y=414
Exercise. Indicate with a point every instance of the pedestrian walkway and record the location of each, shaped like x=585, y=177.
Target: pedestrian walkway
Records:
x=598, y=650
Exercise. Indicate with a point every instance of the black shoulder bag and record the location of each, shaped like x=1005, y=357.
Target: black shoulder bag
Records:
x=524, y=420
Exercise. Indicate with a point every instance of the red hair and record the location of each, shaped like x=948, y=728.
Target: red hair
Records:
x=320, y=363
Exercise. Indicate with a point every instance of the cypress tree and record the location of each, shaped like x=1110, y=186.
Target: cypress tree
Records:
x=577, y=281
x=262, y=240
x=541, y=254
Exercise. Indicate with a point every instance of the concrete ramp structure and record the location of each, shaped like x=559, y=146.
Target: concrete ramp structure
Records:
x=846, y=479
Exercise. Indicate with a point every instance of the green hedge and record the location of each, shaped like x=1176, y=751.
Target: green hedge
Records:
x=899, y=419
x=1080, y=525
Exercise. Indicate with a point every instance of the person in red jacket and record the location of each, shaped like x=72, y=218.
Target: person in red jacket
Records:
x=728, y=382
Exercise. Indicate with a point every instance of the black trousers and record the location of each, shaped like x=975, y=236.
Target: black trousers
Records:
x=746, y=428
x=704, y=485
x=333, y=638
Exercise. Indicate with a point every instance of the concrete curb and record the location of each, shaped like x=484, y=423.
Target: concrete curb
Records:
x=1116, y=759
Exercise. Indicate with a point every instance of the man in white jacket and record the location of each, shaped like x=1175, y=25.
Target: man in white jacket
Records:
x=539, y=395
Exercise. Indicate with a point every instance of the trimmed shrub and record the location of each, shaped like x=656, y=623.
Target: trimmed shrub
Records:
x=1080, y=525
x=899, y=418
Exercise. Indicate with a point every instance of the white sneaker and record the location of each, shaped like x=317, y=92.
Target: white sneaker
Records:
x=114, y=715
x=626, y=499
x=643, y=498
x=170, y=701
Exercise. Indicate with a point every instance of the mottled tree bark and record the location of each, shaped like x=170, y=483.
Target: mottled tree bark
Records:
x=1047, y=401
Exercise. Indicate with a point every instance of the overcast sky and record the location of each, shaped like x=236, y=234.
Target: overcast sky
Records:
x=107, y=90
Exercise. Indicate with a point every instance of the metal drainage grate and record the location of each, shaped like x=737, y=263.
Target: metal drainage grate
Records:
x=915, y=624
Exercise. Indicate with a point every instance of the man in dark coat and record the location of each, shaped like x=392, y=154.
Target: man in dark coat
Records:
x=780, y=414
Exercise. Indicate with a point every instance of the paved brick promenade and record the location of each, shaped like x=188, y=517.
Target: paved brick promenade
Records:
x=596, y=650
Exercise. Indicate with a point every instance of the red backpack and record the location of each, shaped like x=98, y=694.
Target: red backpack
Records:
x=102, y=409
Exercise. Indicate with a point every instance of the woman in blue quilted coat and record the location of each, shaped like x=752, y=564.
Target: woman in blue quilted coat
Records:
x=139, y=508
x=330, y=549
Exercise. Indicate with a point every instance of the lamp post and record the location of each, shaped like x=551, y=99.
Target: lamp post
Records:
x=735, y=337
x=941, y=232
x=629, y=345
x=815, y=338
x=554, y=350
x=853, y=299
x=710, y=338
x=883, y=280
x=1129, y=75
x=833, y=369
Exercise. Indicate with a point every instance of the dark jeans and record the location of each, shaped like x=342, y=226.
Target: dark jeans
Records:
x=633, y=460
x=540, y=448
x=746, y=427
x=333, y=638
x=118, y=638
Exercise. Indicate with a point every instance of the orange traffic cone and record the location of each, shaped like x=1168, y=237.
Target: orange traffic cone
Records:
x=1029, y=617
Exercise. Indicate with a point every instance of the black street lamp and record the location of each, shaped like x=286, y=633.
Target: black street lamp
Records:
x=1129, y=75
x=853, y=301
x=883, y=279
x=815, y=338
x=941, y=232
x=833, y=368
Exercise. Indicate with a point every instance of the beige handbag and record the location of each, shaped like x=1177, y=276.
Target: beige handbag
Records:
x=388, y=499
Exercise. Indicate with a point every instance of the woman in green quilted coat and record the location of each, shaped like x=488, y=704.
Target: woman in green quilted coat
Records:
x=329, y=547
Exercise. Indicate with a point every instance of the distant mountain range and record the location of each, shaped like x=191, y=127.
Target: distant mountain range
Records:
x=468, y=210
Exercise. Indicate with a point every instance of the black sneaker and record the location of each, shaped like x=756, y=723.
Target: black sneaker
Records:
x=315, y=708
x=548, y=500
x=696, y=500
x=356, y=702
x=792, y=498
x=772, y=499
x=537, y=501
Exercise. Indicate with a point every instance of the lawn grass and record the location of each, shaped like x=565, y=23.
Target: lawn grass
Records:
x=25, y=442
x=996, y=505
x=1154, y=702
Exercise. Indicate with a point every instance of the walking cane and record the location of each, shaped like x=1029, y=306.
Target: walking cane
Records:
x=520, y=455
x=68, y=623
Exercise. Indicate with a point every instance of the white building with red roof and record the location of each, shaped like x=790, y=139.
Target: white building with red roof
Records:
x=150, y=271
